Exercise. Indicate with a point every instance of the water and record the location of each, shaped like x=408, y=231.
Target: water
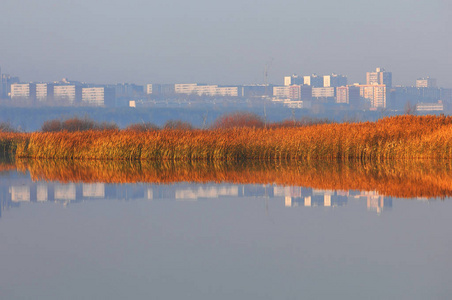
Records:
x=76, y=239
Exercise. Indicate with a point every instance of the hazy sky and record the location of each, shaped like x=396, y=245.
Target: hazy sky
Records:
x=226, y=42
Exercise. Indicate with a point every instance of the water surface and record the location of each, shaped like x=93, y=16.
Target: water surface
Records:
x=103, y=237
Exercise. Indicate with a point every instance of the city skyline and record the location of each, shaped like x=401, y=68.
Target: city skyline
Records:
x=225, y=43
x=432, y=81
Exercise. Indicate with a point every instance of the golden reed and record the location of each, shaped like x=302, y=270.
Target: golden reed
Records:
x=403, y=137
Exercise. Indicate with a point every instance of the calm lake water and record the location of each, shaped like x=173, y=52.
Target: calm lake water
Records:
x=96, y=240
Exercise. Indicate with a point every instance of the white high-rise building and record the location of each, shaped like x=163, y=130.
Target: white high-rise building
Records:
x=148, y=89
x=206, y=90
x=380, y=76
x=69, y=93
x=26, y=91
x=98, y=96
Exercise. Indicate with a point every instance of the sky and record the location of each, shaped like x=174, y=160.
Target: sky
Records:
x=224, y=42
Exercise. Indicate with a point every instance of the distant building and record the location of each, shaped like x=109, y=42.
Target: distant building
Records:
x=255, y=91
x=313, y=80
x=375, y=93
x=295, y=92
x=98, y=96
x=306, y=93
x=349, y=94
x=281, y=92
x=206, y=90
x=227, y=91
x=430, y=107
x=163, y=89
x=68, y=93
x=334, y=80
x=25, y=91
x=293, y=80
x=185, y=88
x=6, y=81
x=426, y=82
x=379, y=77
x=128, y=90
x=44, y=92
x=342, y=95
x=148, y=89
x=323, y=92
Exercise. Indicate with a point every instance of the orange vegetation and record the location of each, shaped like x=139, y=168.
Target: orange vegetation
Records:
x=404, y=137
x=411, y=178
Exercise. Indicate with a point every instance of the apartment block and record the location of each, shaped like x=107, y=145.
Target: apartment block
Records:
x=44, y=91
x=184, y=88
x=148, y=89
x=67, y=93
x=293, y=80
x=205, y=90
x=349, y=94
x=295, y=92
x=98, y=96
x=426, y=82
x=379, y=77
x=430, y=107
x=281, y=92
x=375, y=93
x=334, y=80
x=342, y=95
x=313, y=80
x=323, y=92
x=230, y=91
x=26, y=91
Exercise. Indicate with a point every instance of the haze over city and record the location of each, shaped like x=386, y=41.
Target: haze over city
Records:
x=223, y=42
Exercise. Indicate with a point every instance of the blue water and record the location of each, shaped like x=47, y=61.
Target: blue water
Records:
x=218, y=241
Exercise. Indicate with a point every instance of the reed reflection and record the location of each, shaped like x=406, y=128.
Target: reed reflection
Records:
x=22, y=189
x=404, y=179
x=310, y=184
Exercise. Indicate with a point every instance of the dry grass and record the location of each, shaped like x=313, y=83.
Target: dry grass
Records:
x=405, y=137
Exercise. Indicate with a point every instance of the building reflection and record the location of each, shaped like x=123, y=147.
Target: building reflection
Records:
x=20, y=190
x=299, y=196
x=375, y=202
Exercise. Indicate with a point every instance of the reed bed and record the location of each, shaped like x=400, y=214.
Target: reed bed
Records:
x=401, y=178
x=403, y=137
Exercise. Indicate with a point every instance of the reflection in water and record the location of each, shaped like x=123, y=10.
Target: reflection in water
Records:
x=21, y=188
x=261, y=232
x=407, y=179
x=310, y=184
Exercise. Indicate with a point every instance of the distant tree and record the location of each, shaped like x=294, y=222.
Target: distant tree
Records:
x=6, y=127
x=76, y=124
x=179, y=125
x=142, y=127
x=238, y=119
x=410, y=109
x=305, y=121
x=52, y=126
